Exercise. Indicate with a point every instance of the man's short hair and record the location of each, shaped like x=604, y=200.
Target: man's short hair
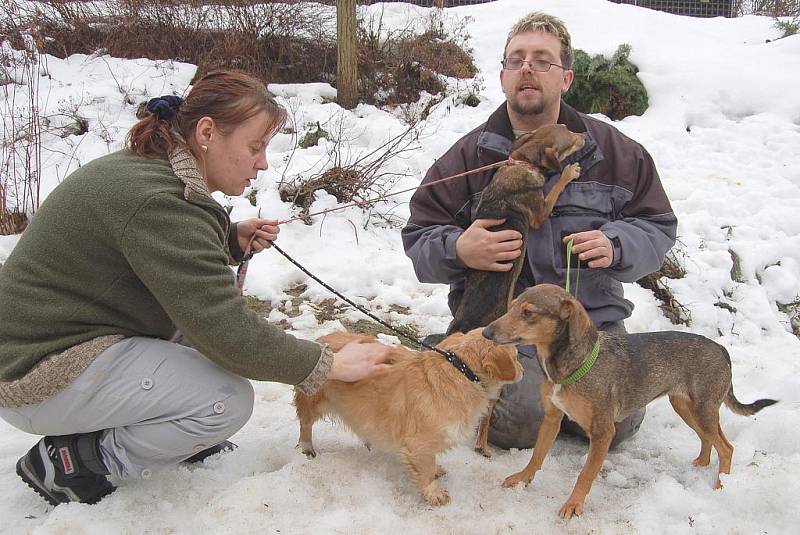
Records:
x=538, y=21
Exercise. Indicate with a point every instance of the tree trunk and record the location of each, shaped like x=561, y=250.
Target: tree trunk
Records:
x=347, y=57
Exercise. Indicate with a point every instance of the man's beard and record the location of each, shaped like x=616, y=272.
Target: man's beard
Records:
x=536, y=107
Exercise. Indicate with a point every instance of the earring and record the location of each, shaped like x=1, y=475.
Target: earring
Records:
x=204, y=148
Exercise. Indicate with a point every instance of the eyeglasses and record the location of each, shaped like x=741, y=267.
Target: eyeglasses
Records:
x=538, y=65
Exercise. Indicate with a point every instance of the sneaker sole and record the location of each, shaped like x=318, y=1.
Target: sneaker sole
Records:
x=199, y=457
x=26, y=473
x=47, y=488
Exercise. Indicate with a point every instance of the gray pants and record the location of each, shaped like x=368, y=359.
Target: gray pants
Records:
x=518, y=413
x=159, y=403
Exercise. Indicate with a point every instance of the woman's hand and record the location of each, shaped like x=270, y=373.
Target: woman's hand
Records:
x=356, y=361
x=256, y=234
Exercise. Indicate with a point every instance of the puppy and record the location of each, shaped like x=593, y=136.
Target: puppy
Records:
x=421, y=406
x=595, y=389
x=516, y=195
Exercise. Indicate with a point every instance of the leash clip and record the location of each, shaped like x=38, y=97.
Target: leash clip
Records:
x=533, y=166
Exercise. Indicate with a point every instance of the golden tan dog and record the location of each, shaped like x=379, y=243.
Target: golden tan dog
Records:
x=597, y=378
x=418, y=408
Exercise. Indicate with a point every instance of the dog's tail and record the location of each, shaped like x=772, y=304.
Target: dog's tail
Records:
x=746, y=410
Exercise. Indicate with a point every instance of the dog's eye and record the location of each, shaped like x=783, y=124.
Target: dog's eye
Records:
x=527, y=314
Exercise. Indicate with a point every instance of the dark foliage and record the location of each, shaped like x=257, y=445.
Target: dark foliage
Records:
x=607, y=86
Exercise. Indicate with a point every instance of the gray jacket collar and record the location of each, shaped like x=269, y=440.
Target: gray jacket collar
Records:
x=497, y=136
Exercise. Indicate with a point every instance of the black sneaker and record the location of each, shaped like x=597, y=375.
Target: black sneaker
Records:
x=65, y=469
x=222, y=447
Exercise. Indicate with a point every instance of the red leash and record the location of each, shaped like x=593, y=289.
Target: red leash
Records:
x=241, y=272
x=382, y=197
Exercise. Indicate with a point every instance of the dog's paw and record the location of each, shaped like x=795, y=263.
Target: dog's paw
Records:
x=573, y=507
x=308, y=449
x=435, y=495
x=572, y=171
x=516, y=479
x=484, y=450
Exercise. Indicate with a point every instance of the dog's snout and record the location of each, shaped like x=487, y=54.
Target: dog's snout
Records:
x=488, y=332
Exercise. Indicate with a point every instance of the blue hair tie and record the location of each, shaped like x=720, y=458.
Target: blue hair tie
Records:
x=164, y=107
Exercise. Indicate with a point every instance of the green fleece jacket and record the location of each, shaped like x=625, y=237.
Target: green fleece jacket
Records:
x=124, y=247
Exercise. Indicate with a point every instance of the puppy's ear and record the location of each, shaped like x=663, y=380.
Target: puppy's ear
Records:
x=580, y=325
x=550, y=159
x=566, y=309
x=525, y=148
x=521, y=141
x=500, y=364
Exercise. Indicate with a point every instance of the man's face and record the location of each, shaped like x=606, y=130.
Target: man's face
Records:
x=529, y=92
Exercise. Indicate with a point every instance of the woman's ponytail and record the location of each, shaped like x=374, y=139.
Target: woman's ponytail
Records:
x=156, y=133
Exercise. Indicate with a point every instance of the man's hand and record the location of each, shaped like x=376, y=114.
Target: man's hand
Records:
x=479, y=248
x=262, y=232
x=356, y=361
x=593, y=246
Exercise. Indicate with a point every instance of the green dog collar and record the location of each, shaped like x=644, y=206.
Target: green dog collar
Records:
x=584, y=368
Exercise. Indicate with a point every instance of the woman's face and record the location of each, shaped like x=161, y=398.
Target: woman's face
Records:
x=234, y=159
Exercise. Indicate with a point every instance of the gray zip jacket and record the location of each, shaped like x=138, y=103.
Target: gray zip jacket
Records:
x=618, y=192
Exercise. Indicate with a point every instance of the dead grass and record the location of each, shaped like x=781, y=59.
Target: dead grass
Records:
x=330, y=310
x=792, y=310
x=672, y=268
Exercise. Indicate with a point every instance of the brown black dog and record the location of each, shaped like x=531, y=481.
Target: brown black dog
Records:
x=516, y=195
x=595, y=389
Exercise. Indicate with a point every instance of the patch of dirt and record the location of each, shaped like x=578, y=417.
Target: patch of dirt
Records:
x=329, y=310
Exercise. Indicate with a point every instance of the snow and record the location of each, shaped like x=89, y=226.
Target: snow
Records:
x=724, y=130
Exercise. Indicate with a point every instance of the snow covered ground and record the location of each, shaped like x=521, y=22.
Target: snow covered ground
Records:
x=724, y=129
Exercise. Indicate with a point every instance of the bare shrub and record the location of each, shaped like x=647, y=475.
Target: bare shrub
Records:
x=785, y=12
x=770, y=8
x=360, y=179
x=396, y=66
x=443, y=46
x=65, y=27
x=792, y=311
x=21, y=142
x=269, y=40
x=672, y=268
x=290, y=42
